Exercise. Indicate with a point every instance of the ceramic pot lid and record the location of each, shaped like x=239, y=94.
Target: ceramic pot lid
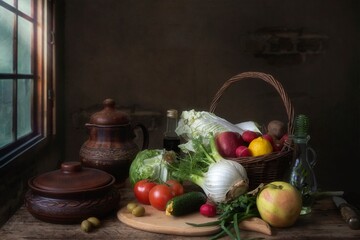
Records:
x=109, y=115
x=72, y=177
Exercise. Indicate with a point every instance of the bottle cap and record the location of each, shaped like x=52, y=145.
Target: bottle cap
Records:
x=301, y=125
x=172, y=113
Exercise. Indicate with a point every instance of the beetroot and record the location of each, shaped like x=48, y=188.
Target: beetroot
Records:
x=227, y=142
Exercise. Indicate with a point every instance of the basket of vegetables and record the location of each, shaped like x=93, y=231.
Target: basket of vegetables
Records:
x=204, y=159
x=272, y=165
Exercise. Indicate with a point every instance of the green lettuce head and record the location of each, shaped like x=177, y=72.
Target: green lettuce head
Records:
x=151, y=164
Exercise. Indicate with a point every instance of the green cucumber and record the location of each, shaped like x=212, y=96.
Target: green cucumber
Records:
x=185, y=203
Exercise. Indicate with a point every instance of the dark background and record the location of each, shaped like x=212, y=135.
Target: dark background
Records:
x=156, y=55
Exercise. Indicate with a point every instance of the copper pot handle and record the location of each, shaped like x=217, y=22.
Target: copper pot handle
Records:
x=145, y=132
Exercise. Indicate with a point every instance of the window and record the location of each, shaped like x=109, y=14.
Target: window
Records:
x=25, y=62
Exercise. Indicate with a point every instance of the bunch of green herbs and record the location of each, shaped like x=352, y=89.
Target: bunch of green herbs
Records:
x=231, y=214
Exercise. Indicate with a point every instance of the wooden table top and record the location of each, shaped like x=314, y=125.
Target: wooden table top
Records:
x=325, y=222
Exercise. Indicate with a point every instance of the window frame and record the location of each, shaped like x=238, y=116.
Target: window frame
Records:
x=43, y=76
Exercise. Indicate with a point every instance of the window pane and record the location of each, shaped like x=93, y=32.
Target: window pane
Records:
x=6, y=112
x=10, y=2
x=6, y=40
x=25, y=6
x=24, y=104
x=24, y=46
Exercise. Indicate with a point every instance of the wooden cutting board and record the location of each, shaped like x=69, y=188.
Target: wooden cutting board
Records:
x=156, y=221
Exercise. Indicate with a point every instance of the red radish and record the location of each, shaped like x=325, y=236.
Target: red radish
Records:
x=248, y=136
x=285, y=138
x=208, y=210
x=279, y=144
x=269, y=138
x=242, y=151
x=227, y=142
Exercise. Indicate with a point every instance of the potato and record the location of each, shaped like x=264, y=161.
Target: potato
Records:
x=276, y=129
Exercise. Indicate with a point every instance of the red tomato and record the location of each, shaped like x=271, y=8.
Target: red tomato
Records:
x=160, y=195
x=177, y=188
x=142, y=189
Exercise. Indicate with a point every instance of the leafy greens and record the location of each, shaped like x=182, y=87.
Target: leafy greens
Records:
x=151, y=164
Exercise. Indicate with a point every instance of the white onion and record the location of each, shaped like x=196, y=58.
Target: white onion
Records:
x=225, y=180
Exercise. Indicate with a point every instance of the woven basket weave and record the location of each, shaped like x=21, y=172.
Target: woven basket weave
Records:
x=270, y=167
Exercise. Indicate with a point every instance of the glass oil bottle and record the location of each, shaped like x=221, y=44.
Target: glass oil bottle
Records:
x=301, y=174
x=171, y=140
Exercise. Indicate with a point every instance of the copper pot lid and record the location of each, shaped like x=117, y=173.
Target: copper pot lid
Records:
x=71, y=178
x=109, y=115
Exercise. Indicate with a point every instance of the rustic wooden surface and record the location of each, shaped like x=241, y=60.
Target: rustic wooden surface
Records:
x=324, y=222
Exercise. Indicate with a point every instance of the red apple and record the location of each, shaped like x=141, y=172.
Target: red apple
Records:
x=242, y=151
x=248, y=136
x=227, y=142
x=279, y=204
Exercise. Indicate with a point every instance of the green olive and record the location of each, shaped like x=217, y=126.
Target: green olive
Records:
x=86, y=226
x=94, y=221
x=130, y=206
x=138, y=211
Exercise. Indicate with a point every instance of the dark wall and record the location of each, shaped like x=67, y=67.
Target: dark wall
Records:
x=154, y=55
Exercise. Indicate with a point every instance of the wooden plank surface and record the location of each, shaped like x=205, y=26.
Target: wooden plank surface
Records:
x=324, y=222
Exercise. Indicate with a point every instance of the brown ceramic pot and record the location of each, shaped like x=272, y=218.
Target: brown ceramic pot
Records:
x=71, y=194
x=111, y=145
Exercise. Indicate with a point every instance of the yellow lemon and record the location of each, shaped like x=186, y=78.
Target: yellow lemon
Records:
x=260, y=146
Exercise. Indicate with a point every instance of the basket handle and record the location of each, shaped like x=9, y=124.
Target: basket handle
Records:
x=265, y=77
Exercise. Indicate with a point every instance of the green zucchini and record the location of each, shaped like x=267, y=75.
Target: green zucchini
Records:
x=185, y=204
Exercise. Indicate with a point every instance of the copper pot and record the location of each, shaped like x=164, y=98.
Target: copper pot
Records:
x=111, y=145
x=71, y=194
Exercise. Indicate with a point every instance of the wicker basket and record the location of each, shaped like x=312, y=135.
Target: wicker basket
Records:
x=270, y=167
